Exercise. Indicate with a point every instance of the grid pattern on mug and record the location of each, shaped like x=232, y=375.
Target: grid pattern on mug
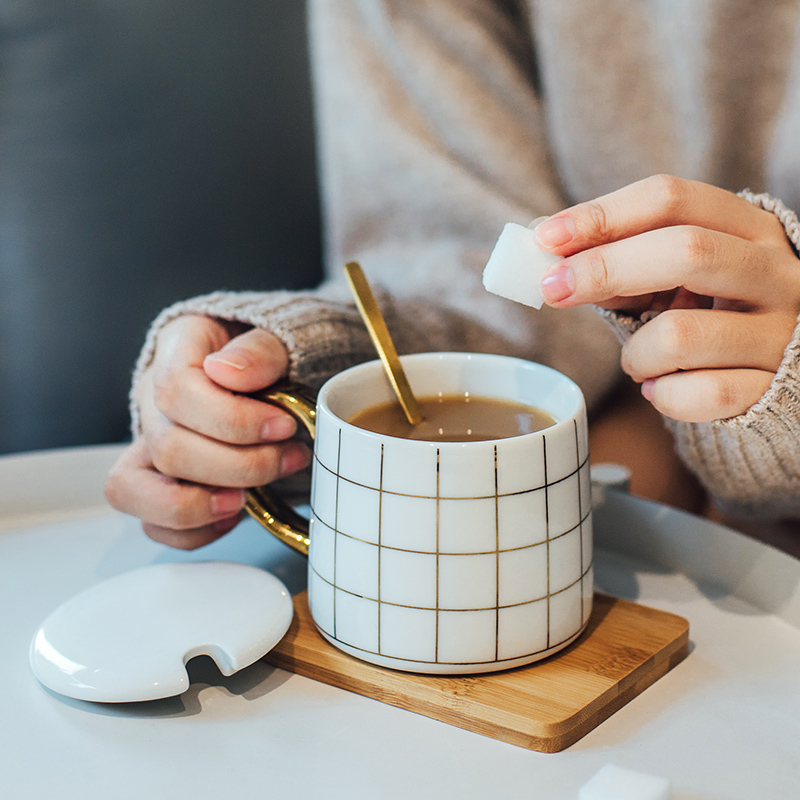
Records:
x=389, y=575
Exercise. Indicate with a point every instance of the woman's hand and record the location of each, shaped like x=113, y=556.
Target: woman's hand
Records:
x=719, y=269
x=203, y=440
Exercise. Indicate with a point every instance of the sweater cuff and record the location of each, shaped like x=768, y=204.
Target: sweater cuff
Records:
x=321, y=338
x=787, y=217
x=623, y=325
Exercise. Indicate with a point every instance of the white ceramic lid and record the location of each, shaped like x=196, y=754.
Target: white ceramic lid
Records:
x=128, y=638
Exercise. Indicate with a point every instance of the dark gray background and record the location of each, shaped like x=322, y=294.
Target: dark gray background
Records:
x=150, y=150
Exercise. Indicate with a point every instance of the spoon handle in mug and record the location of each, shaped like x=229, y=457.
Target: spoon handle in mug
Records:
x=379, y=333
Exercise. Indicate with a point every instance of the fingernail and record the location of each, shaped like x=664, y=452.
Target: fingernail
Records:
x=294, y=459
x=555, y=231
x=225, y=502
x=238, y=359
x=647, y=389
x=278, y=429
x=558, y=284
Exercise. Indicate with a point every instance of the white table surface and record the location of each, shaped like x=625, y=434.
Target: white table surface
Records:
x=724, y=724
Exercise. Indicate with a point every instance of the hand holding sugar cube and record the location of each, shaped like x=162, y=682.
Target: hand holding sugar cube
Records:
x=517, y=264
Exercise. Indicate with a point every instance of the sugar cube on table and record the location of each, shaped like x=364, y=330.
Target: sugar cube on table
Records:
x=517, y=264
x=617, y=783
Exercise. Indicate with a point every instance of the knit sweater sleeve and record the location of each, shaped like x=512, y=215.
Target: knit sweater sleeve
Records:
x=431, y=137
x=749, y=463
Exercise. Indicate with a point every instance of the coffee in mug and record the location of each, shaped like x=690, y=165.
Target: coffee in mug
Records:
x=455, y=418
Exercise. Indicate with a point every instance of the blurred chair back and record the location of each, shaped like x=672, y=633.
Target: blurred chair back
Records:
x=151, y=150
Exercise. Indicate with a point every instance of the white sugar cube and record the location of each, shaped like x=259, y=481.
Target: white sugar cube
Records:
x=517, y=264
x=616, y=783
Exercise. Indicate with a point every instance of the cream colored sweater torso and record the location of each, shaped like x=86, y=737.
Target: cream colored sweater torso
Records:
x=441, y=120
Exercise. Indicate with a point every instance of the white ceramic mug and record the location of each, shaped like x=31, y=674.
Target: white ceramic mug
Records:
x=449, y=557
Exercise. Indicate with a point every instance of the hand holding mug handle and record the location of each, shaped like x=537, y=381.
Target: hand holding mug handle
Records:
x=272, y=512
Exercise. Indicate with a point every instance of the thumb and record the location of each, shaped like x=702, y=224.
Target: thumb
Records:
x=248, y=362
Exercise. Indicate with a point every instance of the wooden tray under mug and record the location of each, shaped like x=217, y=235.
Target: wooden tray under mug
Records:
x=545, y=706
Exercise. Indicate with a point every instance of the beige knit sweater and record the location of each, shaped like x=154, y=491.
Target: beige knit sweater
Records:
x=441, y=120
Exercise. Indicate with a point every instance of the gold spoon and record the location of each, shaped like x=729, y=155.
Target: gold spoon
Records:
x=379, y=333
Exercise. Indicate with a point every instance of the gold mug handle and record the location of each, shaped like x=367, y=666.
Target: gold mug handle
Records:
x=275, y=514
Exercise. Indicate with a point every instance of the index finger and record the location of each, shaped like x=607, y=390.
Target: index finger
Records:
x=703, y=262
x=660, y=201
